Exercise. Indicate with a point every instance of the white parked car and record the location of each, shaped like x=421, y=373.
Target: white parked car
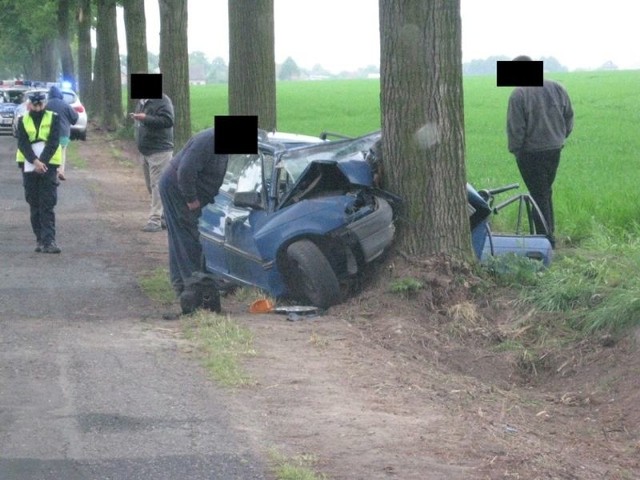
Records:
x=78, y=131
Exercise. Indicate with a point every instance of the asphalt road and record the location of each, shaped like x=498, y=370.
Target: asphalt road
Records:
x=90, y=386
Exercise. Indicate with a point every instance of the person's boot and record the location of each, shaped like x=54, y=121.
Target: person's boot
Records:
x=51, y=248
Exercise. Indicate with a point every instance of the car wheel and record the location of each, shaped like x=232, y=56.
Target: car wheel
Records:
x=310, y=275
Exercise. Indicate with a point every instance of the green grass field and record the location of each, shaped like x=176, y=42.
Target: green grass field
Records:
x=599, y=171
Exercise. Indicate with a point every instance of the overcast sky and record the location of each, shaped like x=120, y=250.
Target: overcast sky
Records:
x=344, y=34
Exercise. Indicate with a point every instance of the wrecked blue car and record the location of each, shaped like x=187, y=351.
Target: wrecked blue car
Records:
x=300, y=222
x=303, y=218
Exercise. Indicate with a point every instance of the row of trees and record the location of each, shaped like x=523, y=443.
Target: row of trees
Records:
x=39, y=39
x=421, y=87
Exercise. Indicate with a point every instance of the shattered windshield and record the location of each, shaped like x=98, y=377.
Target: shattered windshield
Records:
x=295, y=161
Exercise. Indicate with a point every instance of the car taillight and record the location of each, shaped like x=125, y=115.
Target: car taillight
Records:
x=79, y=108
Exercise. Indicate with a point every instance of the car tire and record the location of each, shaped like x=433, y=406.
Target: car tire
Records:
x=310, y=275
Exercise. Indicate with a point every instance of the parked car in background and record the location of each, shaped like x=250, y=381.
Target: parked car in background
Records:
x=78, y=131
x=300, y=219
x=10, y=98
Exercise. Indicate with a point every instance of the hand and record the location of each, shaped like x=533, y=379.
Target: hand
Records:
x=193, y=205
x=139, y=116
x=39, y=167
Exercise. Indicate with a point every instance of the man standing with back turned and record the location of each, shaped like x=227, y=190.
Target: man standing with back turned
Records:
x=539, y=119
x=67, y=116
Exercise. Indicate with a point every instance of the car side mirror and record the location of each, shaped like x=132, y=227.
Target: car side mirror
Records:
x=248, y=200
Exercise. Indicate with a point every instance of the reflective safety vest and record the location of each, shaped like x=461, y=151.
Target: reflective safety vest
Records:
x=39, y=135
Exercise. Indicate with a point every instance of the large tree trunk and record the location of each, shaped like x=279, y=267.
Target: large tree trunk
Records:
x=64, y=45
x=97, y=84
x=423, y=123
x=84, y=52
x=135, y=27
x=33, y=65
x=48, y=61
x=109, y=58
x=174, y=65
x=252, y=65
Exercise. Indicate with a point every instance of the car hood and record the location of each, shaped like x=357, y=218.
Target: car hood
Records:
x=329, y=167
x=324, y=177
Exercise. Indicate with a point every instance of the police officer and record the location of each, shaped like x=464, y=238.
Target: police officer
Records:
x=38, y=156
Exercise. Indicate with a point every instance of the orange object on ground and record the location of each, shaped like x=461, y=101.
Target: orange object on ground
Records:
x=262, y=305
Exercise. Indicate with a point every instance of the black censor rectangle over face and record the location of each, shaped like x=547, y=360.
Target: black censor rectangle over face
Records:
x=519, y=74
x=235, y=134
x=145, y=85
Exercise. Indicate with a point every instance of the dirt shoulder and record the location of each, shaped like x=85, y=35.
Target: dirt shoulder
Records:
x=419, y=387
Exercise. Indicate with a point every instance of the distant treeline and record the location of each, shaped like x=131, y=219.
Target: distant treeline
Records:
x=487, y=66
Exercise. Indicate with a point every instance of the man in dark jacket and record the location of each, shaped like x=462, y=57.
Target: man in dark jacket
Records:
x=539, y=119
x=190, y=181
x=67, y=116
x=39, y=156
x=154, y=137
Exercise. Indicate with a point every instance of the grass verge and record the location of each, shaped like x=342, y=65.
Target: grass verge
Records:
x=295, y=468
x=222, y=342
x=73, y=157
x=592, y=290
x=597, y=290
x=157, y=287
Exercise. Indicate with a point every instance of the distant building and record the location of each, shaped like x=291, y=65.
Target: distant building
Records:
x=197, y=75
x=608, y=65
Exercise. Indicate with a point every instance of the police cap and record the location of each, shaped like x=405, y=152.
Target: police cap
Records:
x=37, y=98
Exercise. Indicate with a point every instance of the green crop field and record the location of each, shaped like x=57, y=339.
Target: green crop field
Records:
x=597, y=182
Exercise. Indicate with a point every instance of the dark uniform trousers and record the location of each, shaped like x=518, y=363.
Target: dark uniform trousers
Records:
x=41, y=193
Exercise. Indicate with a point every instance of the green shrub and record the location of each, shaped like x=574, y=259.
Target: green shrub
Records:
x=406, y=286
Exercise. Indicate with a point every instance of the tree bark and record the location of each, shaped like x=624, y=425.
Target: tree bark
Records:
x=252, y=65
x=135, y=27
x=83, y=18
x=48, y=61
x=174, y=65
x=110, y=81
x=64, y=45
x=97, y=84
x=423, y=123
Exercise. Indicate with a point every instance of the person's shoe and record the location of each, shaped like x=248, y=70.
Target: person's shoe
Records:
x=152, y=227
x=51, y=248
x=38, y=248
